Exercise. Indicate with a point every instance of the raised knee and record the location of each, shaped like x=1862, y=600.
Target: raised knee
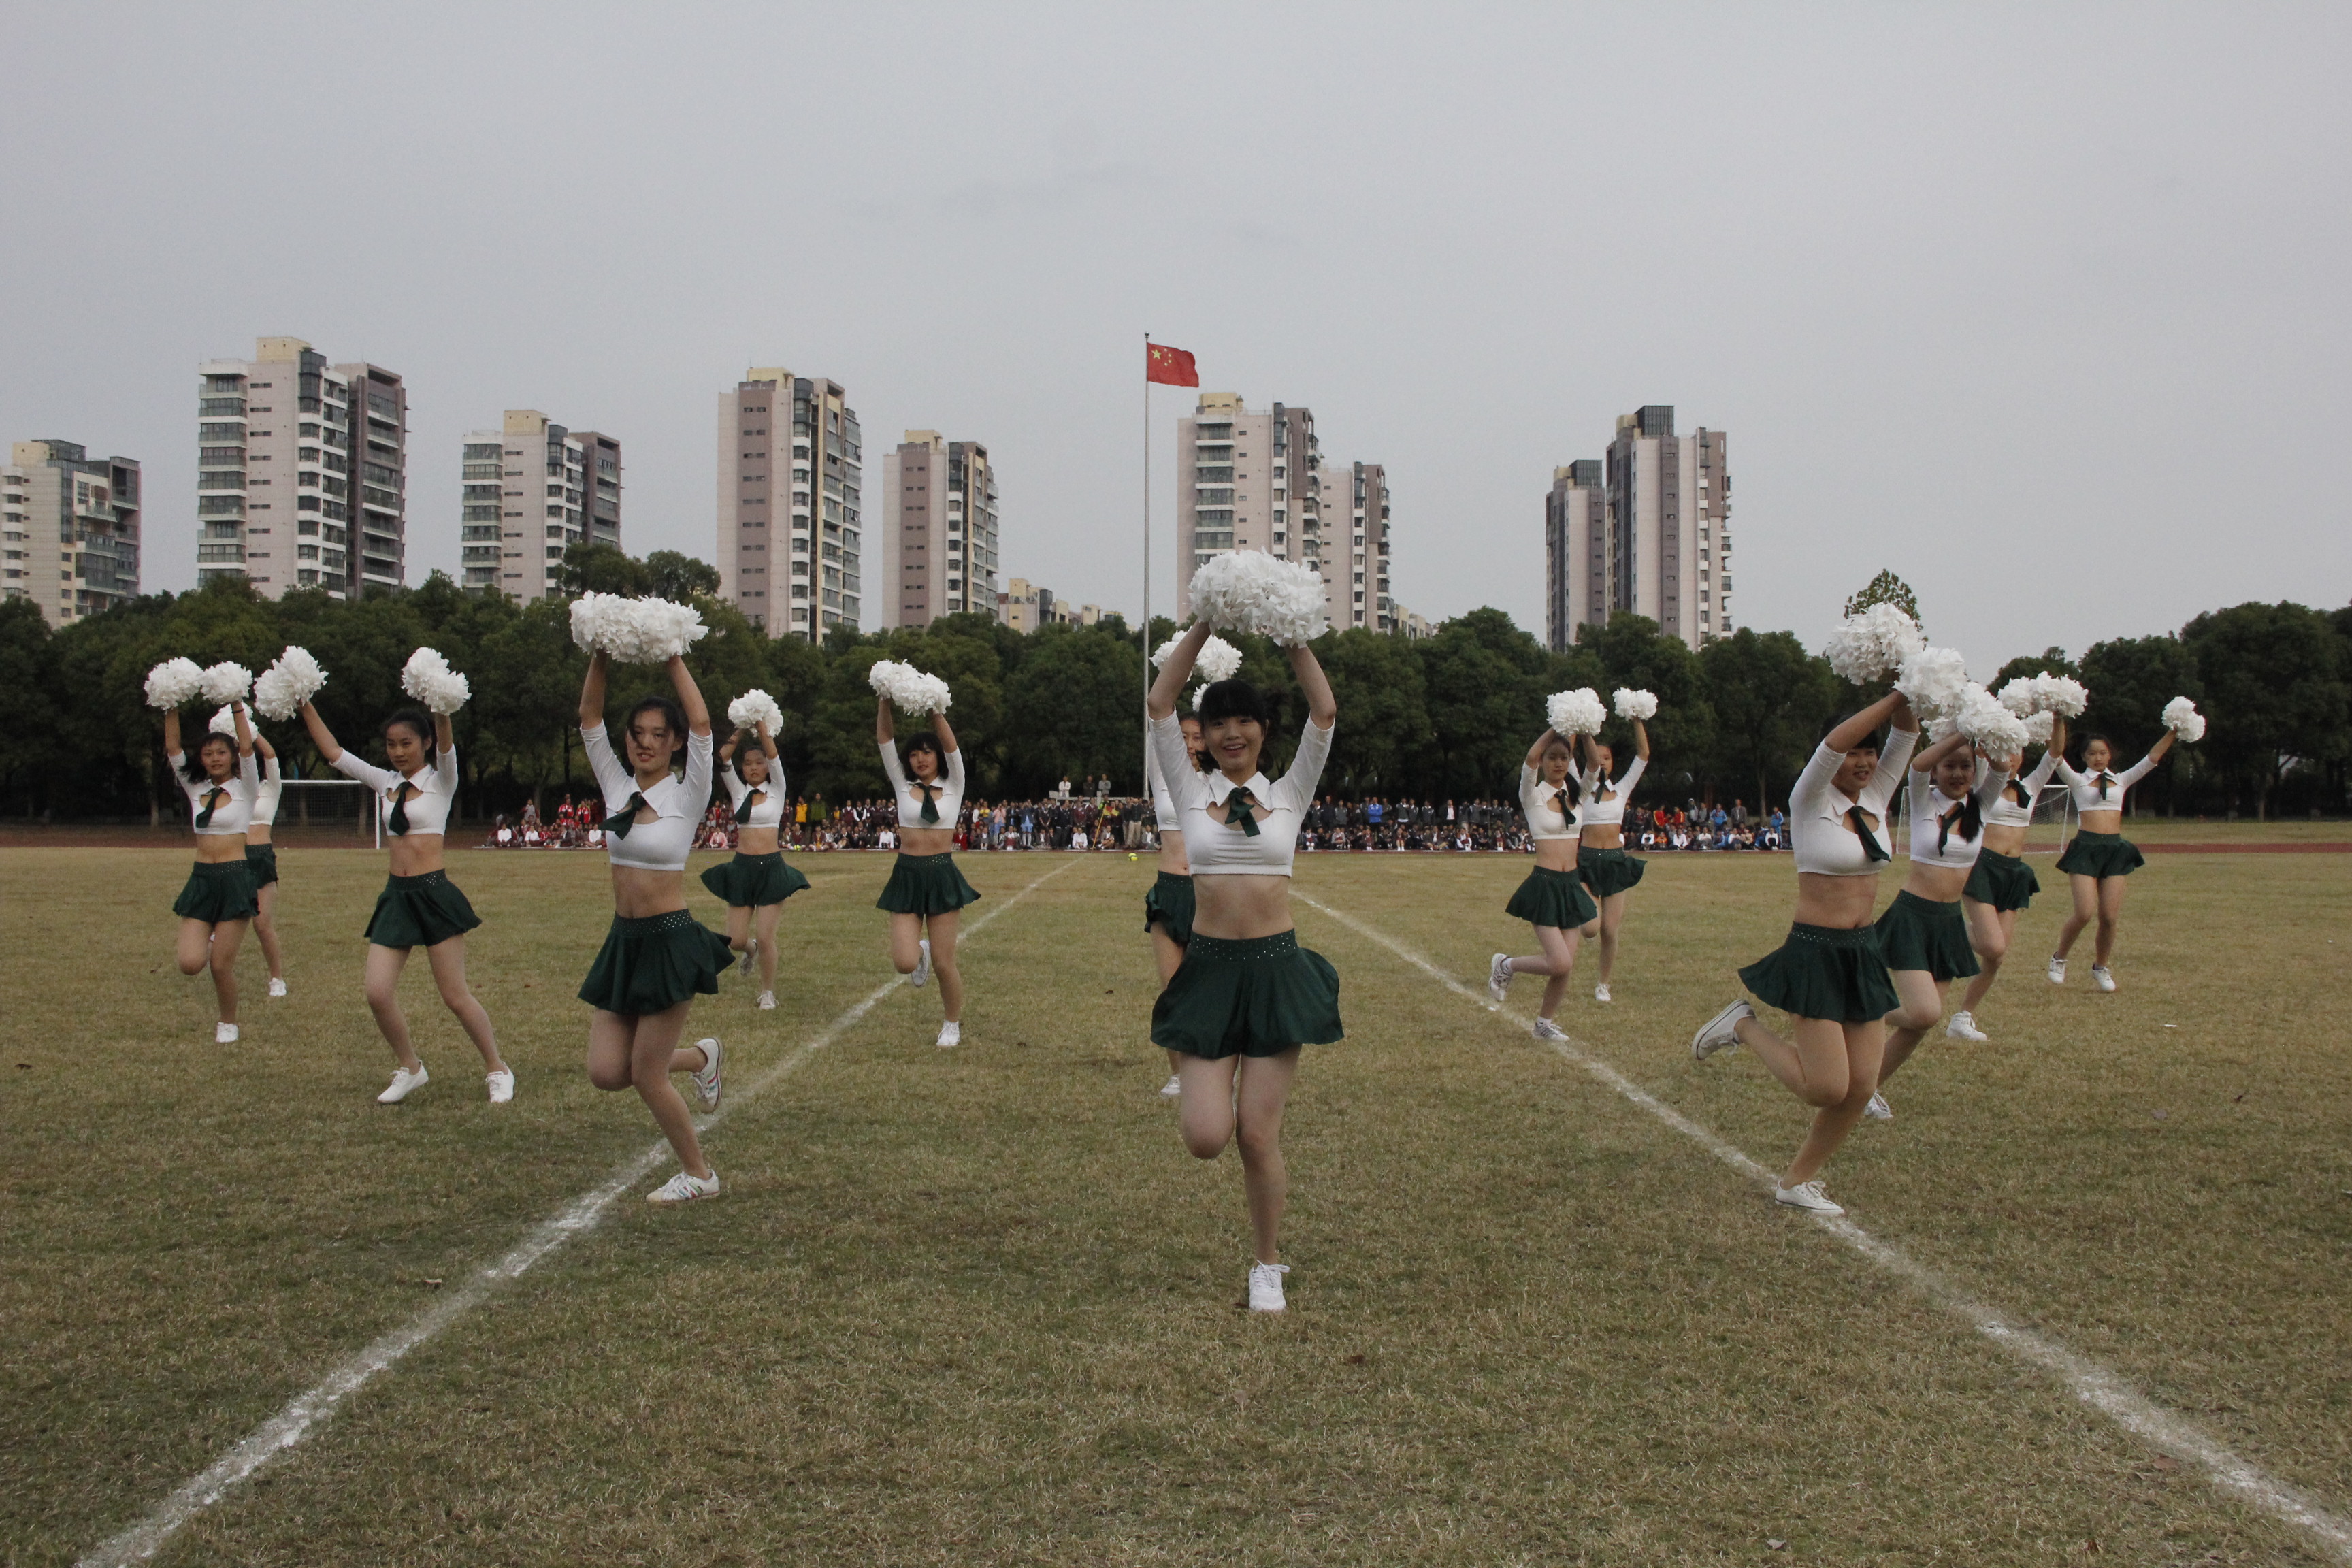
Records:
x=609, y=1078
x=1822, y=1096
x=1204, y=1146
x=197, y=965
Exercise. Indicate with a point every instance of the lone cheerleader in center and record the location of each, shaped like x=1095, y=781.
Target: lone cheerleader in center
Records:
x=926, y=890
x=756, y=882
x=2100, y=857
x=1247, y=996
x=217, y=904
x=1553, y=899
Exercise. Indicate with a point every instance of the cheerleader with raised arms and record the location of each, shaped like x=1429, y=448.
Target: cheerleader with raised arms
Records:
x=755, y=883
x=2002, y=884
x=1553, y=897
x=2100, y=857
x=926, y=888
x=1601, y=860
x=222, y=783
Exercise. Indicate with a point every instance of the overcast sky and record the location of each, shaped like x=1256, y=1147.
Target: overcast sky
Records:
x=2043, y=307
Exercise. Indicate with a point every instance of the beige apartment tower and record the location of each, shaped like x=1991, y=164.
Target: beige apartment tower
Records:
x=1576, y=553
x=1244, y=481
x=1354, y=532
x=69, y=529
x=791, y=468
x=531, y=491
x=301, y=472
x=1661, y=547
x=939, y=531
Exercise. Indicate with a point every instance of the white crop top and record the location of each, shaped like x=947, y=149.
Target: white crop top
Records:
x=946, y=792
x=265, y=801
x=1538, y=803
x=679, y=802
x=1818, y=830
x=234, y=812
x=770, y=810
x=2002, y=812
x=1212, y=847
x=1163, y=805
x=1595, y=812
x=2085, y=787
x=436, y=790
x=1931, y=845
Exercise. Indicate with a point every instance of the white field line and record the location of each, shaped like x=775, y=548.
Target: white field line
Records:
x=292, y=1425
x=2095, y=1385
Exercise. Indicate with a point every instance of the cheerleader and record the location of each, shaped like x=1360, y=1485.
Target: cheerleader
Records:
x=656, y=957
x=2100, y=857
x=261, y=859
x=1552, y=899
x=221, y=783
x=1923, y=933
x=1168, y=908
x=1600, y=857
x=926, y=888
x=1247, y=996
x=2002, y=883
x=419, y=906
x=1830, y=975
x=756, y=882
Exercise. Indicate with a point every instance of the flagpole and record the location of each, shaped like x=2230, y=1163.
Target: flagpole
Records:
x=1146, y=776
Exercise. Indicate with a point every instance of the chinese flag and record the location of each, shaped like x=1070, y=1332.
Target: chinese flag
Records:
x=1169, y=367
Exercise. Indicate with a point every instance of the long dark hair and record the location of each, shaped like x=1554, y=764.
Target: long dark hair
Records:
x=745, y=753
x=672, y=715
x=926, y=741
x=419, y=720
x=1571, y=786
x=1233, y=699
x=2083, y=746
x=193, y=763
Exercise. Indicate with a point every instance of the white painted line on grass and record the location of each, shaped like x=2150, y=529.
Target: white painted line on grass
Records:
x=282, y=1431
x=2105, y=1391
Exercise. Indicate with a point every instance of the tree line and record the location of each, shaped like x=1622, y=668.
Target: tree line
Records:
x=1446, y=716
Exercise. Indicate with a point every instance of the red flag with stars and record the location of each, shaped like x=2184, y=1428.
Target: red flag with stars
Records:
x=1169, y=367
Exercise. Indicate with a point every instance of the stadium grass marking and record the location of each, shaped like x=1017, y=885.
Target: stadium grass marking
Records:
x=301, y=1415
x=2095, y=1385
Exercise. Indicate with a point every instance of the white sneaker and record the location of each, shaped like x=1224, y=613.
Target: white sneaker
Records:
x=1498, y=976
x=1173, y=1087
x=1806, y=1196
x=224, y=1034
x=2057, y=970
x=1963, y=1027
x=922, y=966
x=1266, y=1287
x=2102, y=977
x=501, y=1084
x=276, y=986
x=767, y=1001
x=1545, y=1029
x=1717, y=1033
x=404, y=1084
x=683, y=1188
x=951, y=1034
x=1878, y=1109
x=1601, y=992
x=706, y=1083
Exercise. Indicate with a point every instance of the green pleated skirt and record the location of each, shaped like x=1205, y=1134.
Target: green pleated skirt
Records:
x=1920, y=934
x=420, y=912
x=2101, y=854
x=1255, y=997
x=1608, y=871
x=1825, y=972
x=748, y=881
x=217, y=890
x=926, y=885
x=1555, y=899
x=652, y=963
x=1169, y=906
x=261, y=859
x=2004, y=881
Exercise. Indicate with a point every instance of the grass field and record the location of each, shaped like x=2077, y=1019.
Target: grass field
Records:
x=979, y=1307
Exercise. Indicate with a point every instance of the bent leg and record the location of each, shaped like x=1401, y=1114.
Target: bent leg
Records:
x=1922, y=997
x=1813, y=1062
x=1862, y=1045
x=448, y=959
x=739, y=926
x=611, y=1038
x=1205, y=1107
x=383, y=967
x=1989, y=933
x=653, y=1056
x=1169, y=954
x=195, y=946
x=905, y=943
x=2085, y=892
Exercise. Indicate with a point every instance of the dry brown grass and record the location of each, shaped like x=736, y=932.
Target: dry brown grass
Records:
x=978, y=1307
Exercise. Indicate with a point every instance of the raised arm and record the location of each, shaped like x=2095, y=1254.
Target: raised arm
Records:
x=1162, y=702
x=2156, y=752
x=244, y=730
x=945, y=732
x=445, y=751
x=689, y=697
x=884, y=720
x=1864, y=724
x=767, y=742
x=262, y=744
x=171, y=730
x=321, y=736
x=592, y=692
x=1536, y=751
x=1321, y=706
x=1641, y=740
x=727, y=752
x=1925, y=762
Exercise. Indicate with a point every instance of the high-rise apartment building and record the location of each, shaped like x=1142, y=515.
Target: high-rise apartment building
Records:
x=939, y=531
x=301, y=472
x=1663, y=547
x=790, y=466
x=1244, y=481
x=532, y=490
x=1355, y=545
x=69, y=529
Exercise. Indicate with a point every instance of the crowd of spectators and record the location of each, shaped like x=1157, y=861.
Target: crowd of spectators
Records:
x=1092, y=818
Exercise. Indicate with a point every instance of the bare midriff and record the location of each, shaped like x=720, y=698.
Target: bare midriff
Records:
x=1841, y=903
x=211, y=849
x=1936, y=884
x=1171, y=853
x=258, y=833
x=755, y=840
x=2104, y=821
x=926, y=840
x=1238, y=905
x=1557, y=854
x=638, y=892
x=1605, y=835
x=415, y=854
x=2003, y=838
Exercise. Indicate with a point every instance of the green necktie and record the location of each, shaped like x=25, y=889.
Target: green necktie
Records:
x=619, y=822
x=1240, y=810
x=931, y=794
x=2104, y=780
x=212, y=797
x=1872, y=849
x=397, y=822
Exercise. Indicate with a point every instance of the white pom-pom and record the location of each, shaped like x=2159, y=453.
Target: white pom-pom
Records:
x=2037, y=727
x=2180, y=717
x=225, y=721
x=2064, y=695
x=1936, y=679
x=636, y=631
x=1218, y=660
x=1873, y=644
x=227, y=683
x=428, y=678
x=175, y=683
x=1986, y=721
x=1250, y=590
x=1633, y=703
x=288, y=683
x=2022, y=695
x=908, y=688
x=1198, y=692
x=1576, y=712
x=755, y=707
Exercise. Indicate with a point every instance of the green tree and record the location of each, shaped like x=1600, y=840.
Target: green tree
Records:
x=1771, y=701
x=593, y=568
x=671, y=576
x=2130, y=680
x=1383, y=727
x=29, y=689
x=2275, y=681
x=1634, y=653
x=1485, y=683
x=1074, y=707
x=1885, y=588
x=2049, y=661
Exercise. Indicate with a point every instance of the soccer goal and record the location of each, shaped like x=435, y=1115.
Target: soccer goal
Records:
x=335, y=808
